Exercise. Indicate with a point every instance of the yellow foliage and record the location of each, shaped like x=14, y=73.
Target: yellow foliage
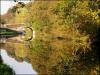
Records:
x=21, y=15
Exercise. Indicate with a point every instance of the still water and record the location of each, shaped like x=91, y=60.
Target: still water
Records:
x=19, y=67
x=12, y=42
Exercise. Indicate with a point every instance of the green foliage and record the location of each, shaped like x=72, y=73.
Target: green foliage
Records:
x=21, y=14
x=63, y=33
x=17, y=14
x=12, y=10
x=5, y=70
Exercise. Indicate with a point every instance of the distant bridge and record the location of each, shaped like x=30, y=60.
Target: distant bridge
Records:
x=20, y=28
x=13, y=27
x=16, y=27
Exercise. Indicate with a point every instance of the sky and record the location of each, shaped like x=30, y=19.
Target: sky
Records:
x=5, y=5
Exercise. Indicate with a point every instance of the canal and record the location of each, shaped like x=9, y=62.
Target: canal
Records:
x=14, y=51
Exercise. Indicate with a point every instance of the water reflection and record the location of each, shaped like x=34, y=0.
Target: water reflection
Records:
x=18, y=67
x=11, y=40
x=15, y=49
x=8, y=33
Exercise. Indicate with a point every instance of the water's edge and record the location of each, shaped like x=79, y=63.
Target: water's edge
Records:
x=19, y=67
